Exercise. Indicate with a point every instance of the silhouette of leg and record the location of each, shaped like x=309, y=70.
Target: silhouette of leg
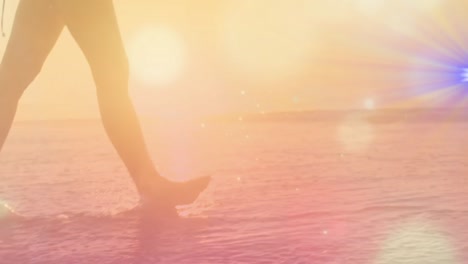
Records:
x=36, y=27
x=94, y=26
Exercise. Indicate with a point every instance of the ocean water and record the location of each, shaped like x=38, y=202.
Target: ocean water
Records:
x=282, y=192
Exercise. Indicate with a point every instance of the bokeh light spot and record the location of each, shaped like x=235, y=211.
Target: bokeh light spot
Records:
x=156, y=55
x=6, y=212
x=369, y=104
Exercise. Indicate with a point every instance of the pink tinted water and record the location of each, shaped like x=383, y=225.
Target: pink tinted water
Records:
x=281, y=193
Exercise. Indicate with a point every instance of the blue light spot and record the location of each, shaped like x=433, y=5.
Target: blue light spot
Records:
x=464, y=75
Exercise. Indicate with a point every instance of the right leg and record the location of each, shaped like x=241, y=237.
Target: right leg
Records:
x=93, y=25
x=35, y=30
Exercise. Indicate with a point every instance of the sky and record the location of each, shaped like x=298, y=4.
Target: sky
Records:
x=211, y=57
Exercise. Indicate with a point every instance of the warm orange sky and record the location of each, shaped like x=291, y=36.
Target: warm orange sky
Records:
x=216, y=56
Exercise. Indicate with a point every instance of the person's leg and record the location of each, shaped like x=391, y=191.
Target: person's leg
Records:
x=94, y=26
x=36, y=28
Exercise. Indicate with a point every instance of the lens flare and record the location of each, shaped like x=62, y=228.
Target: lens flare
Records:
x=464, y=75
x=156, y=55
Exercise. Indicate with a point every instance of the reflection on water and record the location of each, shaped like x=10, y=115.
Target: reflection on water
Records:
x=140, y=236
x=417, y=242
x=356, y=134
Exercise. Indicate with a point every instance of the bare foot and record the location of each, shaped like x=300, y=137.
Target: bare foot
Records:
x=170, y=194
x=149, y=210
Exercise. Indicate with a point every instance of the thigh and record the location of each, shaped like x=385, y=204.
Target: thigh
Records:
x=93, y=25
x=36, y=28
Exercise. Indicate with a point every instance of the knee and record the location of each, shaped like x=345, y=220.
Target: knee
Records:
x=16, y=77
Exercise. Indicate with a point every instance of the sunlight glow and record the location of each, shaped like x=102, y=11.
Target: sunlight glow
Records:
x=156, y=55
x=369, y=104
x=266, y=39
x=404, y=16
x=401, y=23
x=418, y=5
x=399, y=15
x=417, y=242
x=370, y=7
x=355, y=134
x=327, y=11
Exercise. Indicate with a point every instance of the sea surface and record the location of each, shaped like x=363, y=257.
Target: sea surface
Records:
x=347, y=192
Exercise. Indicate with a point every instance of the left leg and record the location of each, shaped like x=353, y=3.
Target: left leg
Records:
x=94, y=26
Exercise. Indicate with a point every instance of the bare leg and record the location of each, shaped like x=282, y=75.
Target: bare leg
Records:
x=36, y=28
x=94, y=26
